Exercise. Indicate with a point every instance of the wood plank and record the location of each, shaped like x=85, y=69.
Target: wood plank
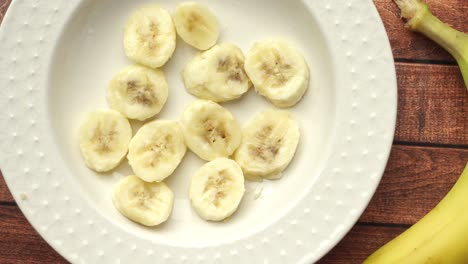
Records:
x=415, y=180
x=361, y=242
x=432, y=104
x=4, y=4
x=5, y=195
x=408, y=45
x=20, y=243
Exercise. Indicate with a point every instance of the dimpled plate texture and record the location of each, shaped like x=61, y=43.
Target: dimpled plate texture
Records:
x=56, y=58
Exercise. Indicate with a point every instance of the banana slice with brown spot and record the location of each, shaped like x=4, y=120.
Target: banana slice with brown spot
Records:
x=217, y=74
x=210, y=130
x=150, y=36
x=104, y=138
x=216, y=189
x=157, y=150
x=149, y=204
x=269, y=144
x=138, y=92
x=278, y=71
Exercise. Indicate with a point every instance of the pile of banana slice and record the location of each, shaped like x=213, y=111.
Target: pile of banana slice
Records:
x=219, y=73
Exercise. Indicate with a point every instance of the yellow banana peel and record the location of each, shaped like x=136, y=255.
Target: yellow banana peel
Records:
x=439, y=237
x=442, y=235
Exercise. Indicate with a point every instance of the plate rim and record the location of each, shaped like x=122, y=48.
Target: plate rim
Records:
x=16, y=180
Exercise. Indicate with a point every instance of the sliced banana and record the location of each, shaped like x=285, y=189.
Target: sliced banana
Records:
x=149, y=204
x=150, y=36
x=138, y=92
x=104, y=138
x=269, y=144
x=210, y=130
x=278, y=71
x=217, y=74
x=157, y=150
x=216, y=189
x=196, y=25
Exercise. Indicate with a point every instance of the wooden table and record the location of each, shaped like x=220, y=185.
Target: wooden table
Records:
x=429, y=152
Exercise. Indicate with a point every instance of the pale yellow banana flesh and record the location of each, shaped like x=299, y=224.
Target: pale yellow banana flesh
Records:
x=196, y=25
x=150, y=36
x=104, y=139
x=157, y=150
x=269, y=143
x=278, y=72
x=138, y=92
x=216, y=189
x=217, y=74
x=210, y=130
x=149, y=204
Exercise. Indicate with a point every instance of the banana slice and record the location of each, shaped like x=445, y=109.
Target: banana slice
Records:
x=196, y=25
x=216, y=189
x=269, y=144
x=278, y=71
x=150, y=36
x=157, y=150
x=149, y=204
x=104, y=138
x=210, y=130
x=217, y=74
x=138, y=92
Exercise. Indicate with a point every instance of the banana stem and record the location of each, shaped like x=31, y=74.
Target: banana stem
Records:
x=421, y=19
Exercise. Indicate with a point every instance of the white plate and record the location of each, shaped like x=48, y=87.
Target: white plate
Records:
x=56, y=60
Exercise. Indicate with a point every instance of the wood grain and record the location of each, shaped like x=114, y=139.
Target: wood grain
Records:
x=4, y=4
x=5, y=195
x=20, y=243
x=415, y=180
x=413, y=46
x=432, y=104
x=361, y=242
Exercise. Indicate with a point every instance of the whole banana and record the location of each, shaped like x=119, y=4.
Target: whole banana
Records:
x=439, y=237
